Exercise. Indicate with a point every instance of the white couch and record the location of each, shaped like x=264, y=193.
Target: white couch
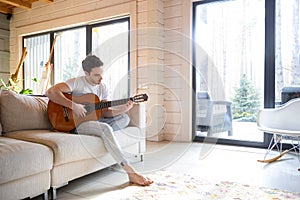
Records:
x=38, y=155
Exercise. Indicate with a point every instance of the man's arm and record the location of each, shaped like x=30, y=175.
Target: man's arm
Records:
x=56, y=94
x=110, y=112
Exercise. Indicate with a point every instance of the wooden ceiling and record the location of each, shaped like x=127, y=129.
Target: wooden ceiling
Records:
x=6, y=6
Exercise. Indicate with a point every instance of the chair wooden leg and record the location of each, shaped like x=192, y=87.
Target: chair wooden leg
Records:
x=274, y=158
x=277, y=142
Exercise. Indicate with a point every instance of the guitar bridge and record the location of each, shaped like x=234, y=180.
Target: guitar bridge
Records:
x=65, y=114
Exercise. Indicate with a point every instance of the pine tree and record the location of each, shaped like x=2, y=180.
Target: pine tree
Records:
x=246, y=101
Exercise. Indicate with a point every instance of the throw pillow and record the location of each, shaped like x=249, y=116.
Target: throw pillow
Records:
x=23, y=112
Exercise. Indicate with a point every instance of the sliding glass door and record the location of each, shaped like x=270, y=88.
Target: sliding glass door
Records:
x=229, y=68
x=287, y=50
x=287, y=62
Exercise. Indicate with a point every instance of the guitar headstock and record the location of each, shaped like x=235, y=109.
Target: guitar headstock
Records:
x=139, y=98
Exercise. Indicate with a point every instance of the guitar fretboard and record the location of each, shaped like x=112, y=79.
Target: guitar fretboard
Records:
x=107, y=104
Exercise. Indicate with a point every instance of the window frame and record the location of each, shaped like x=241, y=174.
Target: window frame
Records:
x=89, y=41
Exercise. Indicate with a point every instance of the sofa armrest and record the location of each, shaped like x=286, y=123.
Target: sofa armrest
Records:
x=138, y=118
x=137, y=115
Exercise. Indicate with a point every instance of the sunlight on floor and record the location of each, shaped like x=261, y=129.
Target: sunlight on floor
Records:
x=207, y=161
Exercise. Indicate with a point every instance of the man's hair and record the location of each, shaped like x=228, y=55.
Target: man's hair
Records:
x=91, y=61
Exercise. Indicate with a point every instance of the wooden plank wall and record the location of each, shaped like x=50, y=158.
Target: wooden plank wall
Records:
x=160, y=51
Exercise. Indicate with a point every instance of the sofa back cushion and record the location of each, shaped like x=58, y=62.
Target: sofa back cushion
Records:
x=23, y=112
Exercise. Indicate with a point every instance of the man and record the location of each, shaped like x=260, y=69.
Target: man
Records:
x=91, y=83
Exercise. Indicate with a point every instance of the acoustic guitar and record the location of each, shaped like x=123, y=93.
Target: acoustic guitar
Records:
x=62, y=118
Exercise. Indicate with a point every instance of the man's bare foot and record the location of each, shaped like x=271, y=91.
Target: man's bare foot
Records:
x=139, y=179
x=135, y=177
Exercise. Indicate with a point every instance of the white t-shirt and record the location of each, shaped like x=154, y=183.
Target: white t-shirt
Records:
x=79, y=86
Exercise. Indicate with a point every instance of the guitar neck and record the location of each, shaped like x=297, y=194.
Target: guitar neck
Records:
x=107, y=104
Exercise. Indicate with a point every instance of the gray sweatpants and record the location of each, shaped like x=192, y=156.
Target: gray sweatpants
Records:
x=118, y=122
x=104, y=128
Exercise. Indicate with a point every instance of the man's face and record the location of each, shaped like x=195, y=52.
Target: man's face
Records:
x=95, y=76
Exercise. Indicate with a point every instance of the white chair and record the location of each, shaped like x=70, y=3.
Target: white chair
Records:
x=213, y=116
x=283, y=122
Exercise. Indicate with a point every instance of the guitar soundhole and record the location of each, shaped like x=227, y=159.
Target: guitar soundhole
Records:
x=89, y=107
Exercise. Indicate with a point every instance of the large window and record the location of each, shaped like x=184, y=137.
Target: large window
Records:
x=287, y=50
x=70, y=50
x=229, y=63
x=258, y=39
x=109, y=41
x=37, y=56
x=113, y=37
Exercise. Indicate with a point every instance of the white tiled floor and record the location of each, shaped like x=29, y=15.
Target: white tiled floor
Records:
x=209, y=161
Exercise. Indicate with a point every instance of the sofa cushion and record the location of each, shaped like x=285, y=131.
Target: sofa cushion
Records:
x=66, y=147
x=21, y=159
x=72, y=147
x=22, y=112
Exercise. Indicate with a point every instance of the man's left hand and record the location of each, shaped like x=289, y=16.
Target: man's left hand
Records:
x=128, y=105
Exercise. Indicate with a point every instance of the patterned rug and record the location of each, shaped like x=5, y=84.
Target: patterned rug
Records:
x=177, y=186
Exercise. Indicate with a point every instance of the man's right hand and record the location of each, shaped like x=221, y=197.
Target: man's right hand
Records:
x=79, y=110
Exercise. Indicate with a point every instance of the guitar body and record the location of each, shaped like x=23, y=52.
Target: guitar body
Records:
x=62, y=118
